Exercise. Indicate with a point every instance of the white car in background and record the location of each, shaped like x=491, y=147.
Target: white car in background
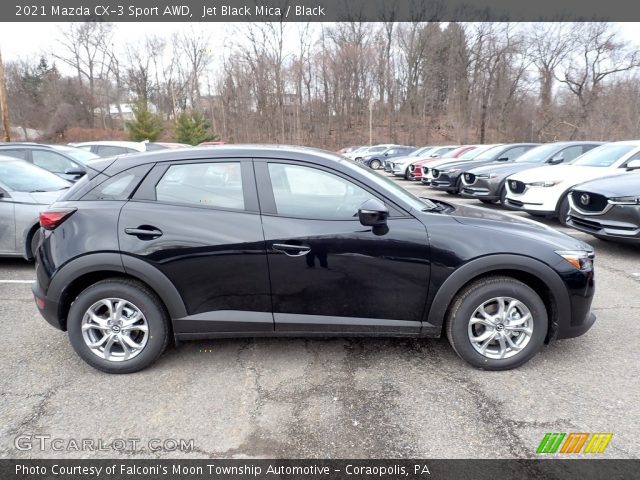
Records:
x=399, y=166
x=543, y=191
x=109, y=148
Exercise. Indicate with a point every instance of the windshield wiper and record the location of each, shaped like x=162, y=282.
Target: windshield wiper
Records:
x=38, y=191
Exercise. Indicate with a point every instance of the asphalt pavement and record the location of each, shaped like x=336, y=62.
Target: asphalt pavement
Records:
x=322, y=398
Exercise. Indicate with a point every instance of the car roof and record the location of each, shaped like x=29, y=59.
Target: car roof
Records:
x=283, y=152
x=23, y=144
x=113, y=143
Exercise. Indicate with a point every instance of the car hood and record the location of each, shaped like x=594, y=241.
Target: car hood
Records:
x=404, y=159
x=502, y=168
x=574, y=173
x=468, y=164
x=623, y=185
x=515, y=225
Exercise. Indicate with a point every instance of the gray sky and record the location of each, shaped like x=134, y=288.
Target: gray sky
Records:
x=22, y=40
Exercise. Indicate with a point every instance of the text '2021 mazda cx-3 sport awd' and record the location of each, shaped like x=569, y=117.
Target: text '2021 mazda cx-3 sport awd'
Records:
x=289, y=241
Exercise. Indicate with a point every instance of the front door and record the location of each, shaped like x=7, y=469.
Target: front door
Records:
x=330, y=273
x=198, y=223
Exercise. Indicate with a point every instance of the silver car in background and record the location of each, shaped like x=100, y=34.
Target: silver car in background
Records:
x=25, y=190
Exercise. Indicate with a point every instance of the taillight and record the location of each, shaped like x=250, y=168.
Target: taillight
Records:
x=52, y=218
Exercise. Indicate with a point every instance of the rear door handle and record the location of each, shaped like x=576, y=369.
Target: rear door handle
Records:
x=144, y=232
x=291, y=250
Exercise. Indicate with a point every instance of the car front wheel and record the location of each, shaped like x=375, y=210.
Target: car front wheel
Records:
x=375, y=164
x=118, y=326
x=497, y=323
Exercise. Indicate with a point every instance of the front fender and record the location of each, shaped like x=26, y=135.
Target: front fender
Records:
x=486, y=265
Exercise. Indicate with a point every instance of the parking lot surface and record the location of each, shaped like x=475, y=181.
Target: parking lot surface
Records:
x=339, y=398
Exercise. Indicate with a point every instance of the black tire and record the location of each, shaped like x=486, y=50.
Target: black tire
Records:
x=503, y=197
x=375, y=164
x=144, y=299
x=471, y=297
x=488, y=202
x=563, y=210
x=33, y=244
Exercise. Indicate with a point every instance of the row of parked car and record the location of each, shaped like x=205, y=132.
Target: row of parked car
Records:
x=590, y=186
x=33, y=176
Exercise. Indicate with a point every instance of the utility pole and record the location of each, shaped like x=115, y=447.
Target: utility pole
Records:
x=3, y=104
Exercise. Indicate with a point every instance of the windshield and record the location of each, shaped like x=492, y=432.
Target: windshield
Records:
x=77, y=154
x=21, y=176
x=603, y=156
x=538, y=154
x=490, y=153
x=421, y=151
x=387, y=184
x=376, y=149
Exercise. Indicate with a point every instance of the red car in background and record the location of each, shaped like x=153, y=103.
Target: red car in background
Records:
x=415, y=169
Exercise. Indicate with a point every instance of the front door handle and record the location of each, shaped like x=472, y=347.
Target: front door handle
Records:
x=291, y=250
x=144, y=232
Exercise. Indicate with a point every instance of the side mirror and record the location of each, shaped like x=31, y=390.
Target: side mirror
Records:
x=373, y=213
x=75, y=171
x=633, y=165
x=555, y=160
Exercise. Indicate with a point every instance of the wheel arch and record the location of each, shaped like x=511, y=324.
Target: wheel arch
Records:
x=533, y=273
x=79, y=274
x=26, y=240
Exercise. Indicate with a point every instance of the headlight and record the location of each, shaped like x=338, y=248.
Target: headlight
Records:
x=489, y=176
x=547, y=183
x=625, y=200
x=581, y=259
x=452, y=170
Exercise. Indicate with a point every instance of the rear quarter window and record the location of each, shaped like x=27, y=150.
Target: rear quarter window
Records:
x=118, y=187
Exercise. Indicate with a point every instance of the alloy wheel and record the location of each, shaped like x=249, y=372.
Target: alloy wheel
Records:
x=115, y=329
x=500, y=327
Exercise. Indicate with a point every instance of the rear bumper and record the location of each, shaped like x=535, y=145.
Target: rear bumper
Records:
x=47, y=308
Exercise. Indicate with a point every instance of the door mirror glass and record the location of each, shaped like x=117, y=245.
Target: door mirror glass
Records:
x=373, y=213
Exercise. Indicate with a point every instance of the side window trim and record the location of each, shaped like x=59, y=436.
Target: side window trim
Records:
x=146, y=191
x=267, y=198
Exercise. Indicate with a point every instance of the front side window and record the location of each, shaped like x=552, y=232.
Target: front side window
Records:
x=52, y=161
x=307, y=192
x=204, y=184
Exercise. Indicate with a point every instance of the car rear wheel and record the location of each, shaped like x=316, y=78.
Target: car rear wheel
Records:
x=497, y=323
x=35, y=241
x=375, y=164
x=118, y=326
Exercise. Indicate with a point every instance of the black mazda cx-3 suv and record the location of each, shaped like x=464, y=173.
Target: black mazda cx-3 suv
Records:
x=288, y=241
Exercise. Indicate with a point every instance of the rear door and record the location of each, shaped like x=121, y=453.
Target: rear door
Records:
x=329, y=272
x=198, y=222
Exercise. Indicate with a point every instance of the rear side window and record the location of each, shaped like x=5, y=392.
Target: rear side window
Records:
x=120, y=186
x=14, y=152
x=216, y=184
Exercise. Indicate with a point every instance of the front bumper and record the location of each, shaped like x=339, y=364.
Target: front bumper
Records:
x=446, y=182
x=619, y=222
x=541, y=200
x=482, y=188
